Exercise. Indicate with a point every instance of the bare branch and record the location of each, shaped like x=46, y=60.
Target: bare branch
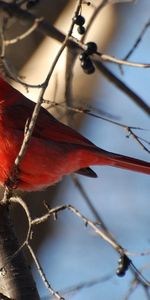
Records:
x=26, y=33
x=88, y=111
x=115, y=60
x=42, y=274
x=138, y=41
x=90, y=205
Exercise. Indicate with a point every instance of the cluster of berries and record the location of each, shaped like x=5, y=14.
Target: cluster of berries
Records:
x=123, y=265
x=31, y=3
x=91, y=47
x=86, y=62
x=80, y=20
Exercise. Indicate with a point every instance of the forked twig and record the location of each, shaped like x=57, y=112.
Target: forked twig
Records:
x=88, y=111
x=53, y=212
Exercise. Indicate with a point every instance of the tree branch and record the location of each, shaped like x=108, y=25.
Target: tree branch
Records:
x=15, y=277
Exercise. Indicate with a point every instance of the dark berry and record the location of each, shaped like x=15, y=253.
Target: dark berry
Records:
x=123, y=265
x=31, y=3
x=90, y=70
x=79, y=20
x=83, y=56
x=87, y=66
x=91, y=48
x=86, y=63
x=81, y=30
x=120, y=273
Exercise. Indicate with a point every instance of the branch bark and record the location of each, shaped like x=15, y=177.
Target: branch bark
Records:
x=16, y=281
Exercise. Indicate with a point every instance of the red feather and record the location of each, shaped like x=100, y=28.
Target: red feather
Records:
x=55, y=149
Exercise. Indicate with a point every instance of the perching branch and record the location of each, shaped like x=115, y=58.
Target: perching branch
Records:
x=16, y=280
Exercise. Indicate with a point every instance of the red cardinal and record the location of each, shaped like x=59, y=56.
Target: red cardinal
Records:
x=54, y=150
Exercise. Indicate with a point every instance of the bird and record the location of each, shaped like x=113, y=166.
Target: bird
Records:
x=54, y=150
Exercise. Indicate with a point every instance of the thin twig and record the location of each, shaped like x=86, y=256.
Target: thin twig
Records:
x=94, y=15
x=90, y=204
x=73, y=290
x=87, y=111
x=138, y=41
x=115, y=60
x=5, y=66
x=132, y=288
x=26, y=33
x=42, y=274
x=86, y=221
x=137, y=138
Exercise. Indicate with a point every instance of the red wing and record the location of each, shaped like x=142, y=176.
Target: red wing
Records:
x=47, y=127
